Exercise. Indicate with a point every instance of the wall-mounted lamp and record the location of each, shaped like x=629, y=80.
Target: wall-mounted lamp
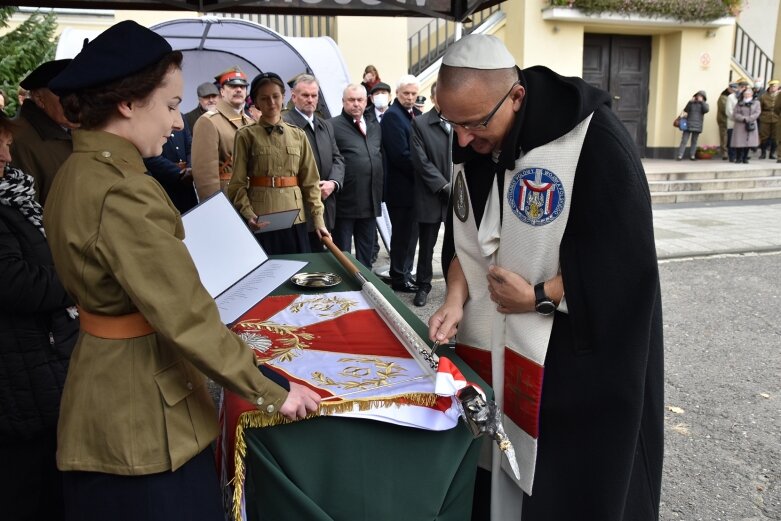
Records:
x=710, y=33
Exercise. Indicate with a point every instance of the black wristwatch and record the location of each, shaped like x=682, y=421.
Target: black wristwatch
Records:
x=543, y=303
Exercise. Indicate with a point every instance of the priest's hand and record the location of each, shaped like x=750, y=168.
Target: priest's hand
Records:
x=301, y=400
x=511, y=292
x=443, y=324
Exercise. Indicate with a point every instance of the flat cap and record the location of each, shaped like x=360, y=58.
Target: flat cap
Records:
x=380, y=86
x=263, y=77
x=121, y=50
x=479, y=51
x=233, y=76
x=207, y=89
x=43, y=74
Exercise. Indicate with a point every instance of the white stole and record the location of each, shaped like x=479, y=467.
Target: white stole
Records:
x=535, y=204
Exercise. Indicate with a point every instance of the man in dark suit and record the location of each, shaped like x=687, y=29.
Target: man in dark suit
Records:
x=430, y=145
x=330, y=164
x=360, y=143
x=396, y=128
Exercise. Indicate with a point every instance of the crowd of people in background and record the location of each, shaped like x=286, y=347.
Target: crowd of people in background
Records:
x=747, y=116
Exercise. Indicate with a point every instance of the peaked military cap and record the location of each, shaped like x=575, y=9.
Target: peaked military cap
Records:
x=43, y=74
x=233, y=76
x=121, y=50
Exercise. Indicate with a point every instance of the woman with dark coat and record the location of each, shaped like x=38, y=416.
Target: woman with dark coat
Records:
x=746, y=134
x=695, y=111
x=37, y=334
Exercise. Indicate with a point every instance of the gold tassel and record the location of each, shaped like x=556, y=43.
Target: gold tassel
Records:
x=257, y=419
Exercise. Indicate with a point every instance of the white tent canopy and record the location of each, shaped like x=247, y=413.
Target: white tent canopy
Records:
x=211, y=45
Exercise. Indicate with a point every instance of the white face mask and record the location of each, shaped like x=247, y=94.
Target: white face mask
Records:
x=380, y=100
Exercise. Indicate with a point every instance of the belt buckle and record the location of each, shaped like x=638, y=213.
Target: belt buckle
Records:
x=273, y=181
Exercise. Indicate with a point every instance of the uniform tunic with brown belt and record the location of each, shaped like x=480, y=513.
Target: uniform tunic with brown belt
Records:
x=137, y=405
x=275, y=171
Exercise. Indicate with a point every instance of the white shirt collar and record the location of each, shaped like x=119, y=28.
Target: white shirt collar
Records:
x=309, y=119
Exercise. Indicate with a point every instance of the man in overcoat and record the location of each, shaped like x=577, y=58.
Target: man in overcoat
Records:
x=430, y=146
x=360, y=143
x=42, y=142
x=214, y=133
x=396, y=128
x=330, y=164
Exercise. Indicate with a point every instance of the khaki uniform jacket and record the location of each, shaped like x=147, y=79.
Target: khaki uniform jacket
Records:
x=212, y=149
x=140, y=405
x=260, y=153
x=767, y=103
x=40, y=147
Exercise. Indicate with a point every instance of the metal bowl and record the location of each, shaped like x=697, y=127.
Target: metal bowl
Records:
x=317, y=279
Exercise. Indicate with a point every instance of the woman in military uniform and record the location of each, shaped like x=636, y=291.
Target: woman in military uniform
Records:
x=136, y=419
x=274, y=170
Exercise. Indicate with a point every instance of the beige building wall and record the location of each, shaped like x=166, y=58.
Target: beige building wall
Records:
x=378, y=41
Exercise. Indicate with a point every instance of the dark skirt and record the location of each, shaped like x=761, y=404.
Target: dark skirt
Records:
x=191, y=493
x=283, y=242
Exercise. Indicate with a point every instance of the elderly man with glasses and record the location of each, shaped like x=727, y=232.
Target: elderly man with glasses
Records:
x=553, y=288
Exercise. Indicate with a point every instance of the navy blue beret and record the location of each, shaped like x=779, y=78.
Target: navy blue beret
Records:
x=119, y=51
x=43, y=74
x=262, y=78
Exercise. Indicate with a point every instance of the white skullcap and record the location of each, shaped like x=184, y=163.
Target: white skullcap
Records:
x=479, y=51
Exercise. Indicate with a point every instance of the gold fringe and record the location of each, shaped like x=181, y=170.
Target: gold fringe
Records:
x=257, y=419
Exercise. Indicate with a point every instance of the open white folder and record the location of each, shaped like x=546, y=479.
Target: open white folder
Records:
x=232, y=266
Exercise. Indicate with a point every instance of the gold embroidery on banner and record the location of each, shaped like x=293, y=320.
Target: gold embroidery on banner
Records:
x=290, y=344
x=383, y=373
x=324, y=304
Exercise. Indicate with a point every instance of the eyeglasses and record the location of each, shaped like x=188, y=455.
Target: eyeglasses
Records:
x=484, y=124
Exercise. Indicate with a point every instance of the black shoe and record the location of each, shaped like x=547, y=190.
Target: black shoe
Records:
x=761, y=155
x=724, y=158
x=771, y=156
x=420, y=298
x=407, y=287
x=745, y=160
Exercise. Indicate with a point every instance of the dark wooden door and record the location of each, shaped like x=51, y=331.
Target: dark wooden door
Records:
x=621, y=66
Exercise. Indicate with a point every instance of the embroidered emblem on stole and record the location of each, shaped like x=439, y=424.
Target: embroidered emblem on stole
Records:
x=536, y=196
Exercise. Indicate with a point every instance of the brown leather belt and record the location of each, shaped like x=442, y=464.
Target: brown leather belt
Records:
x=274, y=181
x=117, y=327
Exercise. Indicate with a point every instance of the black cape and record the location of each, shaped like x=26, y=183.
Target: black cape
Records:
x=601, y=422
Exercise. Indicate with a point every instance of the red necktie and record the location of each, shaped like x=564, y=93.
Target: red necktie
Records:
x=357, y=123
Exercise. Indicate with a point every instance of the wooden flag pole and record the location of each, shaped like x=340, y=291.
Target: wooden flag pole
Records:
x=416, y=346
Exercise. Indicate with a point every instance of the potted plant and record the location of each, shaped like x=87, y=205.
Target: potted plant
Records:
x=706, y=151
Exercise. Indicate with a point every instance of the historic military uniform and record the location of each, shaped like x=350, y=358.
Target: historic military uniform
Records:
x=135, y=401
x=212, y=152
x=768, y=121
x=275, y=170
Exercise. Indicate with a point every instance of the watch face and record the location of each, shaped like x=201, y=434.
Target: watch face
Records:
x=546, y=307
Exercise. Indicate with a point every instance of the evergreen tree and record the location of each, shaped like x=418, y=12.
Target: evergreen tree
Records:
x=23, y=49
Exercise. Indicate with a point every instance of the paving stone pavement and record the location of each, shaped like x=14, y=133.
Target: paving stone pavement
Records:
x=692, y=229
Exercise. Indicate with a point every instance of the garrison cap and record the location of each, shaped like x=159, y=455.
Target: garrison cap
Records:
x=43, y=74
x=742, y=81
x=121, y=50
x=207, y=89
x=263, y=77
x=380, y=86
x=772, y=82
x=233, y=76
x=479, y=51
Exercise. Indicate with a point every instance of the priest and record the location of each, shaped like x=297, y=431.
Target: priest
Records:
x=551, y=221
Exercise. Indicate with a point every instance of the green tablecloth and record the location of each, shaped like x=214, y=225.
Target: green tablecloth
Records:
x=346, y=469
